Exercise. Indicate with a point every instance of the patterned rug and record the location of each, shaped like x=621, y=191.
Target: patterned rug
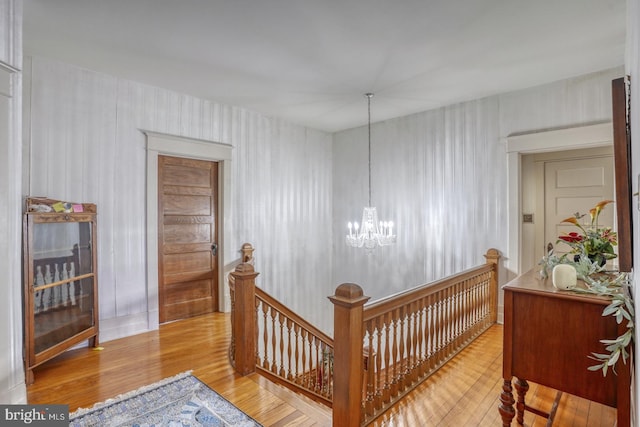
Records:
x=180, y=401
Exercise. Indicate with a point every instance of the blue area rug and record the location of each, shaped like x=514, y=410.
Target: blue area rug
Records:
x=180, y=401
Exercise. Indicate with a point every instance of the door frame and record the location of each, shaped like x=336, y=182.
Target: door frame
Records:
x=537, y=186
x=587, y=136
x=178, y=146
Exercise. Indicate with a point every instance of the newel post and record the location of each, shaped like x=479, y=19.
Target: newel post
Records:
x=348, y=361
x=493, y=256
x=244, y=318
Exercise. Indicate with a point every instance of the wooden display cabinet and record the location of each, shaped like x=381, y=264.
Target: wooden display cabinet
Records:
x=60, y=283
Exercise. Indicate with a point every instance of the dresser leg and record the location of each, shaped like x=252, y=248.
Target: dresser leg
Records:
x=521, y=387
x=506, y=403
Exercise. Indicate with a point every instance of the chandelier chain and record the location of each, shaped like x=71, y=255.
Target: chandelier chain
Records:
x=369, y=95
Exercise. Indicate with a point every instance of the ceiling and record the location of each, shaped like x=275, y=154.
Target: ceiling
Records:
x=310, y=62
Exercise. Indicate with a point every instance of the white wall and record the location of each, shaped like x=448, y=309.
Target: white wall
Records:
x=441, y=177
x=12, y=388
x=86, y=144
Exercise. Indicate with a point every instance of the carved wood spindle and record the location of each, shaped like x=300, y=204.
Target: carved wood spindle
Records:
x=281, y=322
x=289, y=349
x=296, y=353
x=375, y=360
x=386, y=395
x=273, y=314
x=369, y=369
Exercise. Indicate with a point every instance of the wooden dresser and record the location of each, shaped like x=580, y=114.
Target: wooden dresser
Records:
x=548, y=336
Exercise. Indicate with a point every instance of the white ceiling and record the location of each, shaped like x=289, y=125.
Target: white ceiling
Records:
x=311, y=61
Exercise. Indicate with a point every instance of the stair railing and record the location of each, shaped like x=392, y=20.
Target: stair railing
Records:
x=270, y=338
x=381, y=351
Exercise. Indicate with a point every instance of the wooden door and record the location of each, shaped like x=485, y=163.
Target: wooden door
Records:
x=187, y=237
x=575, y=186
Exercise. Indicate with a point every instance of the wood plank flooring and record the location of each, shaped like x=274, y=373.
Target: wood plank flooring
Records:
x=463, y=393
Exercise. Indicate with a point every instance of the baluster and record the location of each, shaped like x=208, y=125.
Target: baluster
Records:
x=403, y=347
x=305, y=366
x=257, y=304
x=317, y=379
x=39, y=281
x=441, y=325
x=58, y=289
x=468, y=302
x=451, y=291
x=296, y=370
x=455, y=327
x=265, y=336
x=281, y=320
x=485, y=287
x=47, y=274
x=394, y=355
x=75, y=284
x=289, y=373
x=479, y=302
x=411, y=341
x=447, y=322
x=49, y=291
x=430, y=330
x=460, y=291
x=331, y=357
x=386, y=394
x=421, y=355
x=464, y=307
x=39, y=278
x=65, y=276
x=475, y=306
x=415, y=351
x=274, y=343
x=369, y=368
x=374, y=363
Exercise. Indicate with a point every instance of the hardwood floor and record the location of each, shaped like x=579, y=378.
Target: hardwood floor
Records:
x=462, y=393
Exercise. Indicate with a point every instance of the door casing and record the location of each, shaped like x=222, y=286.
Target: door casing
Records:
x=177, y=146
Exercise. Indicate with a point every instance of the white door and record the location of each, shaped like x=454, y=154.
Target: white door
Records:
x=575, y=186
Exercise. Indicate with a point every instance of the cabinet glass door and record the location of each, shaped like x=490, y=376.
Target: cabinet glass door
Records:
x=63, y=281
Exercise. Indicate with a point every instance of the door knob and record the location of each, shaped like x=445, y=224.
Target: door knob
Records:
x=214, y=249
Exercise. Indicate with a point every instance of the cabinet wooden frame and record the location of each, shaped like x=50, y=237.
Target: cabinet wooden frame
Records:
x=622, y=159
x=60, y=292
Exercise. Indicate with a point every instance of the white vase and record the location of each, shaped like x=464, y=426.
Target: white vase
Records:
x=564, y=277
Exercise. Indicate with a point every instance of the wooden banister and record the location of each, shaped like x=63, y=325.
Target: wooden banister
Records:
x=269, y=338
x=403, y=339
x=380, y=351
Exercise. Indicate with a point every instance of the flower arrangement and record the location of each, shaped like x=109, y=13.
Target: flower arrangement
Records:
x=594, y=242
x=591, y=249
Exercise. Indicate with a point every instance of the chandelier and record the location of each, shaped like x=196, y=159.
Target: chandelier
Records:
x=370, y=232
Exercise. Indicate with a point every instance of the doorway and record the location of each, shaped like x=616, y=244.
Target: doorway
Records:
x=556, y=185
x=163, y=144
x=187, y=237
x=588, y=136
